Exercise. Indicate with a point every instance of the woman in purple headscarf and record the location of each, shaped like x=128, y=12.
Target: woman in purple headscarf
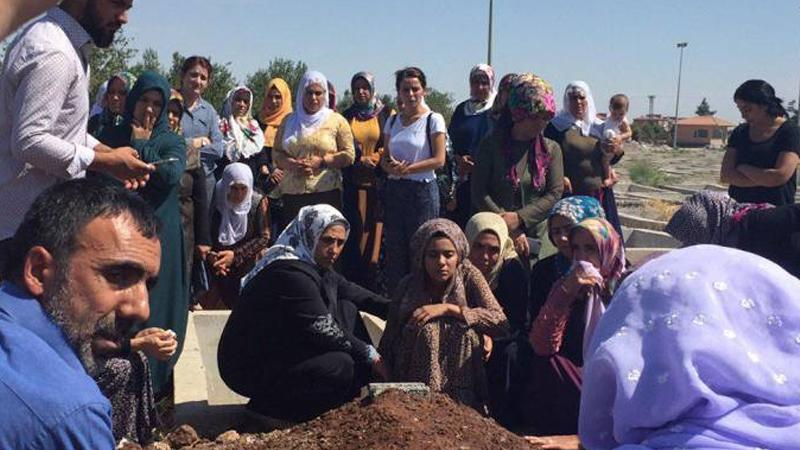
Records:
x=698, y=350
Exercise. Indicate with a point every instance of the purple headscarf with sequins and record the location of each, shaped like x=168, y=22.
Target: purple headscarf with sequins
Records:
x=531, y=95
x=698, y=350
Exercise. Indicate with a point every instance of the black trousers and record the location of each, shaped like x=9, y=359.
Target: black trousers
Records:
x=318, y=382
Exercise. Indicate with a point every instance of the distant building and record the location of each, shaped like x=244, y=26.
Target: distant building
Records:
x=703, y=131
x=657, y=119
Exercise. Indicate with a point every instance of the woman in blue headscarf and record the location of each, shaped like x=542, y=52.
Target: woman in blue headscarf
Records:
x=698, y=350
x=145, y=128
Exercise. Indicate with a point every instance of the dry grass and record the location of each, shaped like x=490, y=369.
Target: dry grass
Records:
x=662, y=210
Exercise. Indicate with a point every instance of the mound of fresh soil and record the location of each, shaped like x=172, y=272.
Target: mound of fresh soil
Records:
x=394, y=420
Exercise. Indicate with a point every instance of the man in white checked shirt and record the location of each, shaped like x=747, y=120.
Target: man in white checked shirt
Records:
x=44, y=108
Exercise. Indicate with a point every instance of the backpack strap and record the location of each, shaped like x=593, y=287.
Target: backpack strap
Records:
x=428, y=133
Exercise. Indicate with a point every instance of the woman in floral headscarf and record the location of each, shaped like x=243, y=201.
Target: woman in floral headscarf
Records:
x=242, y=139
x=519, y=172
x=469, y=125
x=694, y=355
x=565, y=323
x=574, y=128
x=112, y=103
x=440, y=311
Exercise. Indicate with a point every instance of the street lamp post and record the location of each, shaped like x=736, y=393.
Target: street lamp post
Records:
x=680, y=45
x=489, y=51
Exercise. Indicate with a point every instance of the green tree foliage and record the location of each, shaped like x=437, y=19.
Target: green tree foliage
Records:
x=345, y=101
x=149, y=61
x=441, y=102
x=703, y=109
x=105, y=62
x=222, y=80
x=792, y=110
x=291, y=71
x=650, y=132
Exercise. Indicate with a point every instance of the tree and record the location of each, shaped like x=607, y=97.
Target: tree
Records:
x=441, y=102
x=105, y=62
x=650, y=132
x=291, y=71
x=149, y=62
x=345, y=101
x=792, y=110
x=703, y=109
x=222, y=80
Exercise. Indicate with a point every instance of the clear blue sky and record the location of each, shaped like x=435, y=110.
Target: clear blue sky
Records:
x=616, y=46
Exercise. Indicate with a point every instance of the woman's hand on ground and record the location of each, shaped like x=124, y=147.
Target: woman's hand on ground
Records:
x=379, y=370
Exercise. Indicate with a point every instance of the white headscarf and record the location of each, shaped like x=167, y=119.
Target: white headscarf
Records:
x=233, y=225
x=240, y=141
x=476, y=106
x=99, y=99
x=589, y=123
x=300, y=123
x=299, y=239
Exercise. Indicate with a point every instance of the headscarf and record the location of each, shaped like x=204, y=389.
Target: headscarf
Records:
x=589, y=123
x=300, y=123
x=299, y=239
x=698, y=350
x=161, y=137
x=415, y=293
x=374, y=106
x=109, y=118
x=147, y=81
x=610, y=248
x=531, y=95
x=176, y=98
x=577, y=208
x=474, y=105
x=500, y=103
x=272, y=121
x=233, y=226
x=242, y=135
x=708, y=217
x=99, y=100
x=612, y=263
x=489, y=221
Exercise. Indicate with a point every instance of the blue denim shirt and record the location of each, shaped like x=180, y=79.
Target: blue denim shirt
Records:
x=47, y=399
x=203, y=121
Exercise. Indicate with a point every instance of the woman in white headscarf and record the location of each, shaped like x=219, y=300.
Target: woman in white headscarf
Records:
x=240, y=233
x=471, y=122
x=491, y=250
x=295, y=343
x=242, y=138
x=574, y=128
x=312, y=145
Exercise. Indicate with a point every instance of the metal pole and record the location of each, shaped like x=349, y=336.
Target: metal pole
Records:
x=489, y=56
x=681, y=46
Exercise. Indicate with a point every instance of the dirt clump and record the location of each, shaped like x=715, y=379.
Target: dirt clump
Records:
x=394, y=420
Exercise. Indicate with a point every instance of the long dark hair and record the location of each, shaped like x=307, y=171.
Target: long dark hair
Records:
x=759, y=92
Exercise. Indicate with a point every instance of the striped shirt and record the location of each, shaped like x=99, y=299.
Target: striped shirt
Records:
x=44, y=109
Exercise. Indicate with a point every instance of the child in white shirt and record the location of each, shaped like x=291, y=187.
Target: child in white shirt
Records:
x=615, y=128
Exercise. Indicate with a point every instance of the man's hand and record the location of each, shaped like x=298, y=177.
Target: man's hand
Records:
x=512, y=220
x=379, y=370
x=222, y=262
x=124, y=164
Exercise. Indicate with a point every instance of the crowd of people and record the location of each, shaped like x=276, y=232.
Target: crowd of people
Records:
x=491, y=246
